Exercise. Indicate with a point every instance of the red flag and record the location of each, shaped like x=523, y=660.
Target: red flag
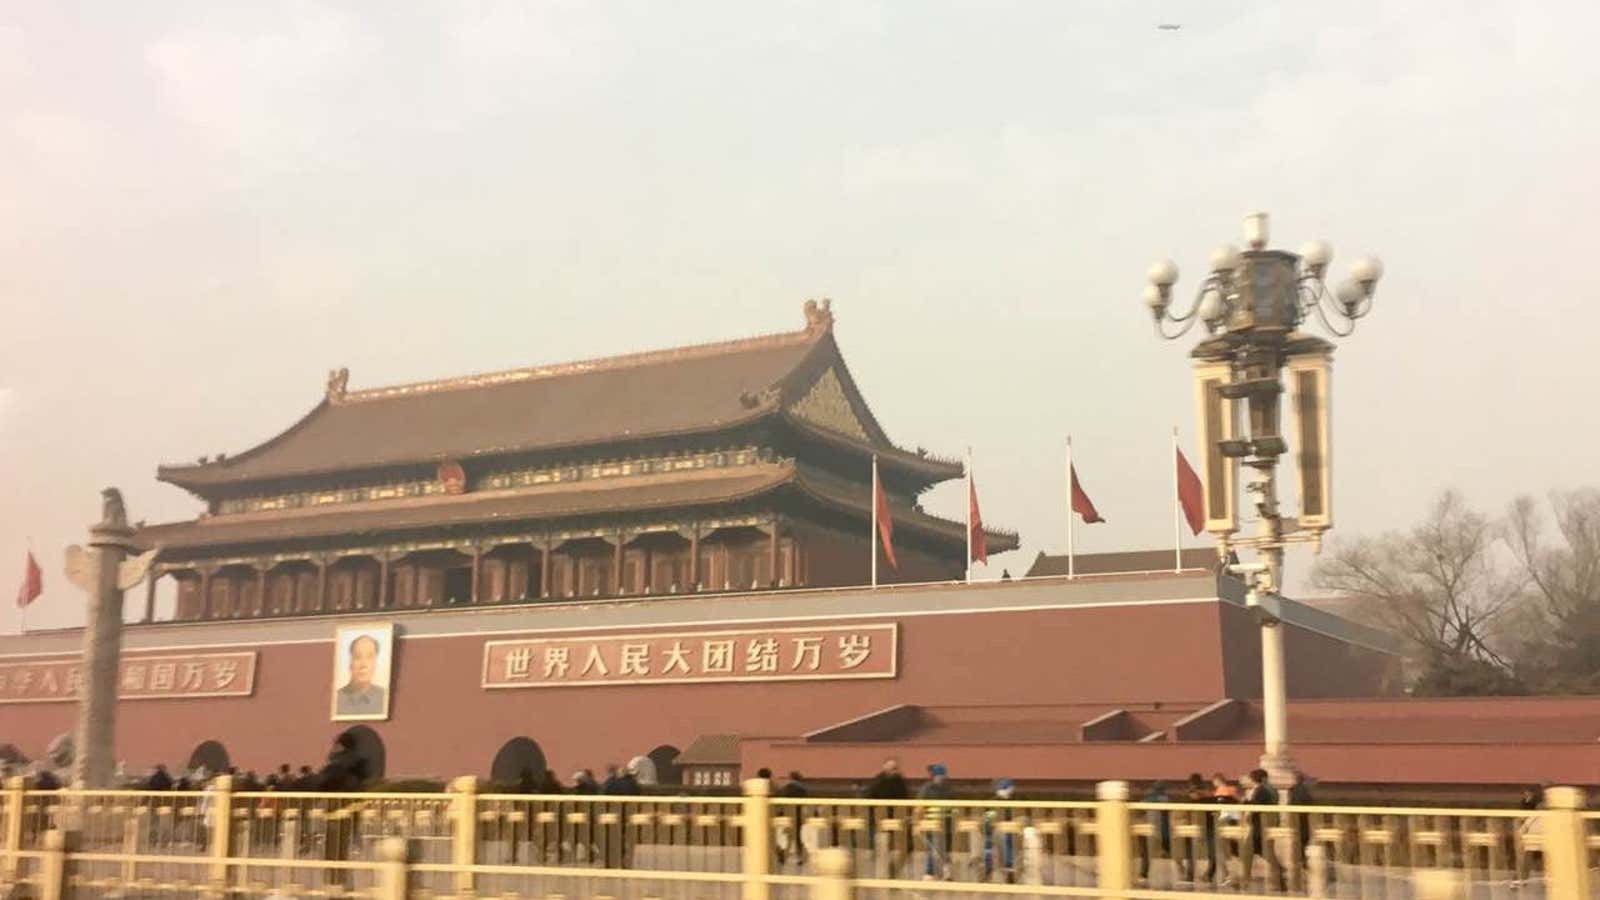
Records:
x=980, y=543
x=1190, y=495
x=32, y=582
x=1081, y=504
x=885, y=524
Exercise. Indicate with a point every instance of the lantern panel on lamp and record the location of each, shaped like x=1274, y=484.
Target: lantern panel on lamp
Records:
x=1218, y=422
x=1310, y=377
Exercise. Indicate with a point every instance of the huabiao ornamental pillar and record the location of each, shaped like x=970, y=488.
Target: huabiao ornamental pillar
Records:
x=105, y=570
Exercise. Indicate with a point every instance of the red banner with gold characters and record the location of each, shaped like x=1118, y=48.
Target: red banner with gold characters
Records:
x=782, y=654
x=141, y=677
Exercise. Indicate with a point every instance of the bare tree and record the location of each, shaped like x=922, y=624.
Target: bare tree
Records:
x=1442, y=586
x=1563, y=588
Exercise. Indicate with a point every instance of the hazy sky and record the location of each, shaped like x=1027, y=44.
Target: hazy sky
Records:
x=207, y=206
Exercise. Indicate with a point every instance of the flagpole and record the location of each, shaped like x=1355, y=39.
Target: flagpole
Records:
x=1071, y=572
x=969, y=516
x=874, y=520
x=1177, y=508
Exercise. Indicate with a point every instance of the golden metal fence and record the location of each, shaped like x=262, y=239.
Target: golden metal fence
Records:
x=951, y=840
x=463, y=844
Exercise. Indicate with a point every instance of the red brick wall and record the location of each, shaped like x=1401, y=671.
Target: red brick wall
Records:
x=444, y=723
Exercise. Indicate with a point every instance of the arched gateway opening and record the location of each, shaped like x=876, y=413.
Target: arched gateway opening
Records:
x=211, y=756
x=666, y=759
x=515, y=755
x=369, y=746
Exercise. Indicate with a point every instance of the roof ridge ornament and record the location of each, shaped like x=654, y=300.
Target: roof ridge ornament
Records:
x=819, y=316
x=338, y=383
x=768, y=396
x=819, y=321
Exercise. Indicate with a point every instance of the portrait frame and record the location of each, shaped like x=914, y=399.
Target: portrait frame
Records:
x=347, y=705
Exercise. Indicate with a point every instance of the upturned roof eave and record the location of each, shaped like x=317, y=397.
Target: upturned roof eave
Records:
x=924, y=523
x=932, y=471
x=211, y=477
x=337, y=522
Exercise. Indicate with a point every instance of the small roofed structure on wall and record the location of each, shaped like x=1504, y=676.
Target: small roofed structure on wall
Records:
x=729, y=466
x=712, y=760
x=1126, y=562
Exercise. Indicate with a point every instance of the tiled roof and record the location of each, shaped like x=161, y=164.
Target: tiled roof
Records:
x=711, y=750
x=687, y=390
x=544, y=502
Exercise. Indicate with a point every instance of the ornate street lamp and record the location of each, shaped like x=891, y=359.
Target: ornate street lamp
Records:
x=1251, y=304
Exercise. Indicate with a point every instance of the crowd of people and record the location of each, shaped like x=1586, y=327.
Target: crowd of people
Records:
x=1208, y=851
x=620, y=781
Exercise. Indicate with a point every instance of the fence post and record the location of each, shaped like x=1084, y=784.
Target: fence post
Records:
x=16, y=794
x=1566, y=850
x=394, y=871
x=464, y=849
x=53, y=866
x=1032, y=856
x=1439, y=884
x=1113, y=840
x=289, y=839
x=833, y=874
x=756, y=818
x=1317, y=871
x=220, y=810
x=131, y=827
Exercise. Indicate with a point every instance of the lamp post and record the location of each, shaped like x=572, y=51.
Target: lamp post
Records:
x=1251, y=304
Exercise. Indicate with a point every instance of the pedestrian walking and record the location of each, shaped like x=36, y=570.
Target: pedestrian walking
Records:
x=1260, y=792
x=1529, y=836
x=888, y=784
x=934, y=824
x=1224, y=793
x=1160, y=830
x=344, y=772
x=1300, y=795
x=619, y=783
x=159, y=780
x=1000, y=847
x=1204, y=844
x=792, y=841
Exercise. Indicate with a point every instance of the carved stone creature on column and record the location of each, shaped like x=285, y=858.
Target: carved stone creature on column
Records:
x=104, y=570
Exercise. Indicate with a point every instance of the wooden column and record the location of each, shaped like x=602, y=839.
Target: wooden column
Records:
x=772, y=556
x=544, y=570
x=694, y=560
x=322, y=582
x=261, y=589
x=150, y=595
x=383, y=582
x=616, y=566
x=205, y=591
x=477, y=570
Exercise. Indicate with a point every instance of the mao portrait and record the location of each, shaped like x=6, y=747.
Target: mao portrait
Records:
x=362, y=658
